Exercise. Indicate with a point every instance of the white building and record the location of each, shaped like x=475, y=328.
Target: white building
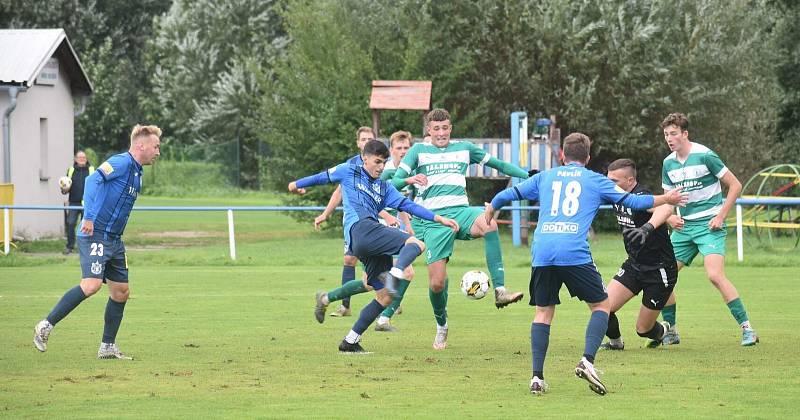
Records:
x=42, y=88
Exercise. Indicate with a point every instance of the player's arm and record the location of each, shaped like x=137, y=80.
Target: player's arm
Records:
x=107, y=171
x=734, y=189
x=406, y=221
x=388, y=218
x=528, y=190
x=507, y=168
x=675, y=221
x=325, y=177
x=396, y=200
x=405, y=168
x=335, y=200
x=640, y=234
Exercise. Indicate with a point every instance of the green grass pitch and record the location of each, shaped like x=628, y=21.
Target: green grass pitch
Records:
x=215, y=338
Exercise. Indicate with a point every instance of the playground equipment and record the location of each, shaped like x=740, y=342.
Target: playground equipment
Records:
x=773, y=218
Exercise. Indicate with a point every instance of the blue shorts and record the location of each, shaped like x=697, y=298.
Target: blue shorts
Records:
x=374, y=244
x=103, y=257
x=583, y=281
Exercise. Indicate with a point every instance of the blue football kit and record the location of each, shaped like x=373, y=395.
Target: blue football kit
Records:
x=109, y=196
x=363, y=198
x=569, y=198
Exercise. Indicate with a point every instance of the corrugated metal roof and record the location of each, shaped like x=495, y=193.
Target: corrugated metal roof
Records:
x=23, y=53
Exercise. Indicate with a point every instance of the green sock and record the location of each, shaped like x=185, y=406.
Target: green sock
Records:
x=739, y=313
x=439, y=303
x=401, y=287
x=352, y=287
x=494, y=258
x=668, y=313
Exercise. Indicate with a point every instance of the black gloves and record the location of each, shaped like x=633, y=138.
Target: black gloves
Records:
x=532, y=172
x=638, y=236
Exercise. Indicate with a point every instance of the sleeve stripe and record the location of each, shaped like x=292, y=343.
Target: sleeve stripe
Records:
x=517, y=192
x=722, y=172
x=485, y=159
x=404, y=167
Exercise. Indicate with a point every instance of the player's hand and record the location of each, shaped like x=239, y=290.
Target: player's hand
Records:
x=532, y=172
x=675, y=222
x=638, y=236
x=452, y=224
x=391, y=220
x=294, y=190
x=87, y=227
x=716, y=223
x=488, y=213
x=676, y=197
x=419, y=179
x=319, y=220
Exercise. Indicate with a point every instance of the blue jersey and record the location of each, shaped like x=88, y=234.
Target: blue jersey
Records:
x=569, y=197
x=110, y=193
x=363, y=196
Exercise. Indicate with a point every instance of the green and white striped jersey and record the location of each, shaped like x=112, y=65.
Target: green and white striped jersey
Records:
x=446, y=170
x=699, y=176
x=388, y=173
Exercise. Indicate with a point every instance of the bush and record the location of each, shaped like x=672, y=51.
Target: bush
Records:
x=185, y=178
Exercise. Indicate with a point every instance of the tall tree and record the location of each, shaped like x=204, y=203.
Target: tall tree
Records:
x=205, y=58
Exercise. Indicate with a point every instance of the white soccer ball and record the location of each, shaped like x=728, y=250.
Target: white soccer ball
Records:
x=65, y=182
x=475, y=284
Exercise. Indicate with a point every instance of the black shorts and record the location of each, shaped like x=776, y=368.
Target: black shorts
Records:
x=374, y=244
x=655, y=284
x=583, y=281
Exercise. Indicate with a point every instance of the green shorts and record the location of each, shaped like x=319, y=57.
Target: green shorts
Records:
x=697, y=237
x=439, y=239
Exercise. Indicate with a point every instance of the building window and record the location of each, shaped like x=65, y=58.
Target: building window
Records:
x=44, y=148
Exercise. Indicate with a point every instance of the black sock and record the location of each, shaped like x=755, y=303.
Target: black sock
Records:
x=613, y=327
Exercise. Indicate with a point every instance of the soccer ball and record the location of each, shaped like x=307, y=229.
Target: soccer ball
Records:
x=475, y=284
x=65, y=182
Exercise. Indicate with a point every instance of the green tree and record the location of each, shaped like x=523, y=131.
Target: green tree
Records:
x=319, y=96
x=206, y=58
x=109, y=37
x=788, y=71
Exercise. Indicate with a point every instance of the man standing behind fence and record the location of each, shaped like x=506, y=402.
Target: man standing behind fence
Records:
x=109, y=196
x=78, y=172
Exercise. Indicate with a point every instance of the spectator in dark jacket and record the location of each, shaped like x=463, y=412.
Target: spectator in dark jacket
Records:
x=78, y=172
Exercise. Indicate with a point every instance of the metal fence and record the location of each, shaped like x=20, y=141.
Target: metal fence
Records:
x=516, y=209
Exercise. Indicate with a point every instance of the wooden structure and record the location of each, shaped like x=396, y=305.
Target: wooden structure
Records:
x=403, y=95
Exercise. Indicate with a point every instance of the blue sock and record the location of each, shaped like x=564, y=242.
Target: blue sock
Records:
x=540, y=339
x=68, y=302
x=598, y=324
x=113, y=317
x=348, y=273
x=407, y=255
x=368, y=315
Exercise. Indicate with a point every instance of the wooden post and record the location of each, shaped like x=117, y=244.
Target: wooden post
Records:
x=376, y=122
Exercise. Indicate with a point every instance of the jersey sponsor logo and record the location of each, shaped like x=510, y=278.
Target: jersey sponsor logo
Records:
x=106, y=168
x=376, y=197
x=97, y=268
x=559, y=227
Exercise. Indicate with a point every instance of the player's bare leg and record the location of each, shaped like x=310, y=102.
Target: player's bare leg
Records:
x=494, y=261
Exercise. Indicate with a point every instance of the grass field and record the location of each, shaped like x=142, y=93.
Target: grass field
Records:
x=216, y=338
